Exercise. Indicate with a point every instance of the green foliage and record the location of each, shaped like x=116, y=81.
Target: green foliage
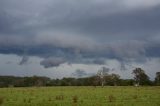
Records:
x=157, y=79
x=108, y=80
x=140, y=77
x=112, y=79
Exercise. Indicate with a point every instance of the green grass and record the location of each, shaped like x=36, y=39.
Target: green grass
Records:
x=80, y=96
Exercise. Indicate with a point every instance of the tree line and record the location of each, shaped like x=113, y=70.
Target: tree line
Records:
x=102, y=78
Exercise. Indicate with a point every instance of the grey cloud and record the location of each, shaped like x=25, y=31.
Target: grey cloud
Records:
x=87, y=32
x=123, y=66
x=105, y=69
x=94, y=18
x=81, y=73
x=24, y=60
x=99, y=61
x=92, y=61
x=57, y=61
x=52, y=62
x=123, y=51
x=8, y=62
x=122, y=26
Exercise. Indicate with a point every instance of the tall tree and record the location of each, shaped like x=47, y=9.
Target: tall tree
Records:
x=157, y=79
x=140, y=77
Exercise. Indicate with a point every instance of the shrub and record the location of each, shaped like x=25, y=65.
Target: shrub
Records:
x=135, y=96
x=111, y=98
x=59, y=97
x=1, y=100
x=75, y=99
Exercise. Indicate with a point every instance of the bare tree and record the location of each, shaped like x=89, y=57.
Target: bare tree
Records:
x=101, y=74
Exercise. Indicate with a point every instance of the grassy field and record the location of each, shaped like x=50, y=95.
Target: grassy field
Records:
x=80, y=96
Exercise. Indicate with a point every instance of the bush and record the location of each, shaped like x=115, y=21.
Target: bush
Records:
x=1, y=100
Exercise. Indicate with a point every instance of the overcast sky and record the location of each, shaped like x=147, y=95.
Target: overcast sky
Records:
x=62, y=38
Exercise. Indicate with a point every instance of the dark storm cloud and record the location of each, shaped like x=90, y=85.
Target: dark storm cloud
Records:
x=87, y=32
x=122, y=26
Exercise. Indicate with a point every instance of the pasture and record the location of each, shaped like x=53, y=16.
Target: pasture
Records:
x=80, y=96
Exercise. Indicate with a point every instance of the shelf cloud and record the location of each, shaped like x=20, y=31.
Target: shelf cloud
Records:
x=85, y=32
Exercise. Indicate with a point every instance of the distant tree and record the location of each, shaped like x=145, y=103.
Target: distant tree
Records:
x=140, y=77
x=126, y=82
x=157, y=78
x=94, y=80
x=101, y=75
x=115, y=78
x=112, y=79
